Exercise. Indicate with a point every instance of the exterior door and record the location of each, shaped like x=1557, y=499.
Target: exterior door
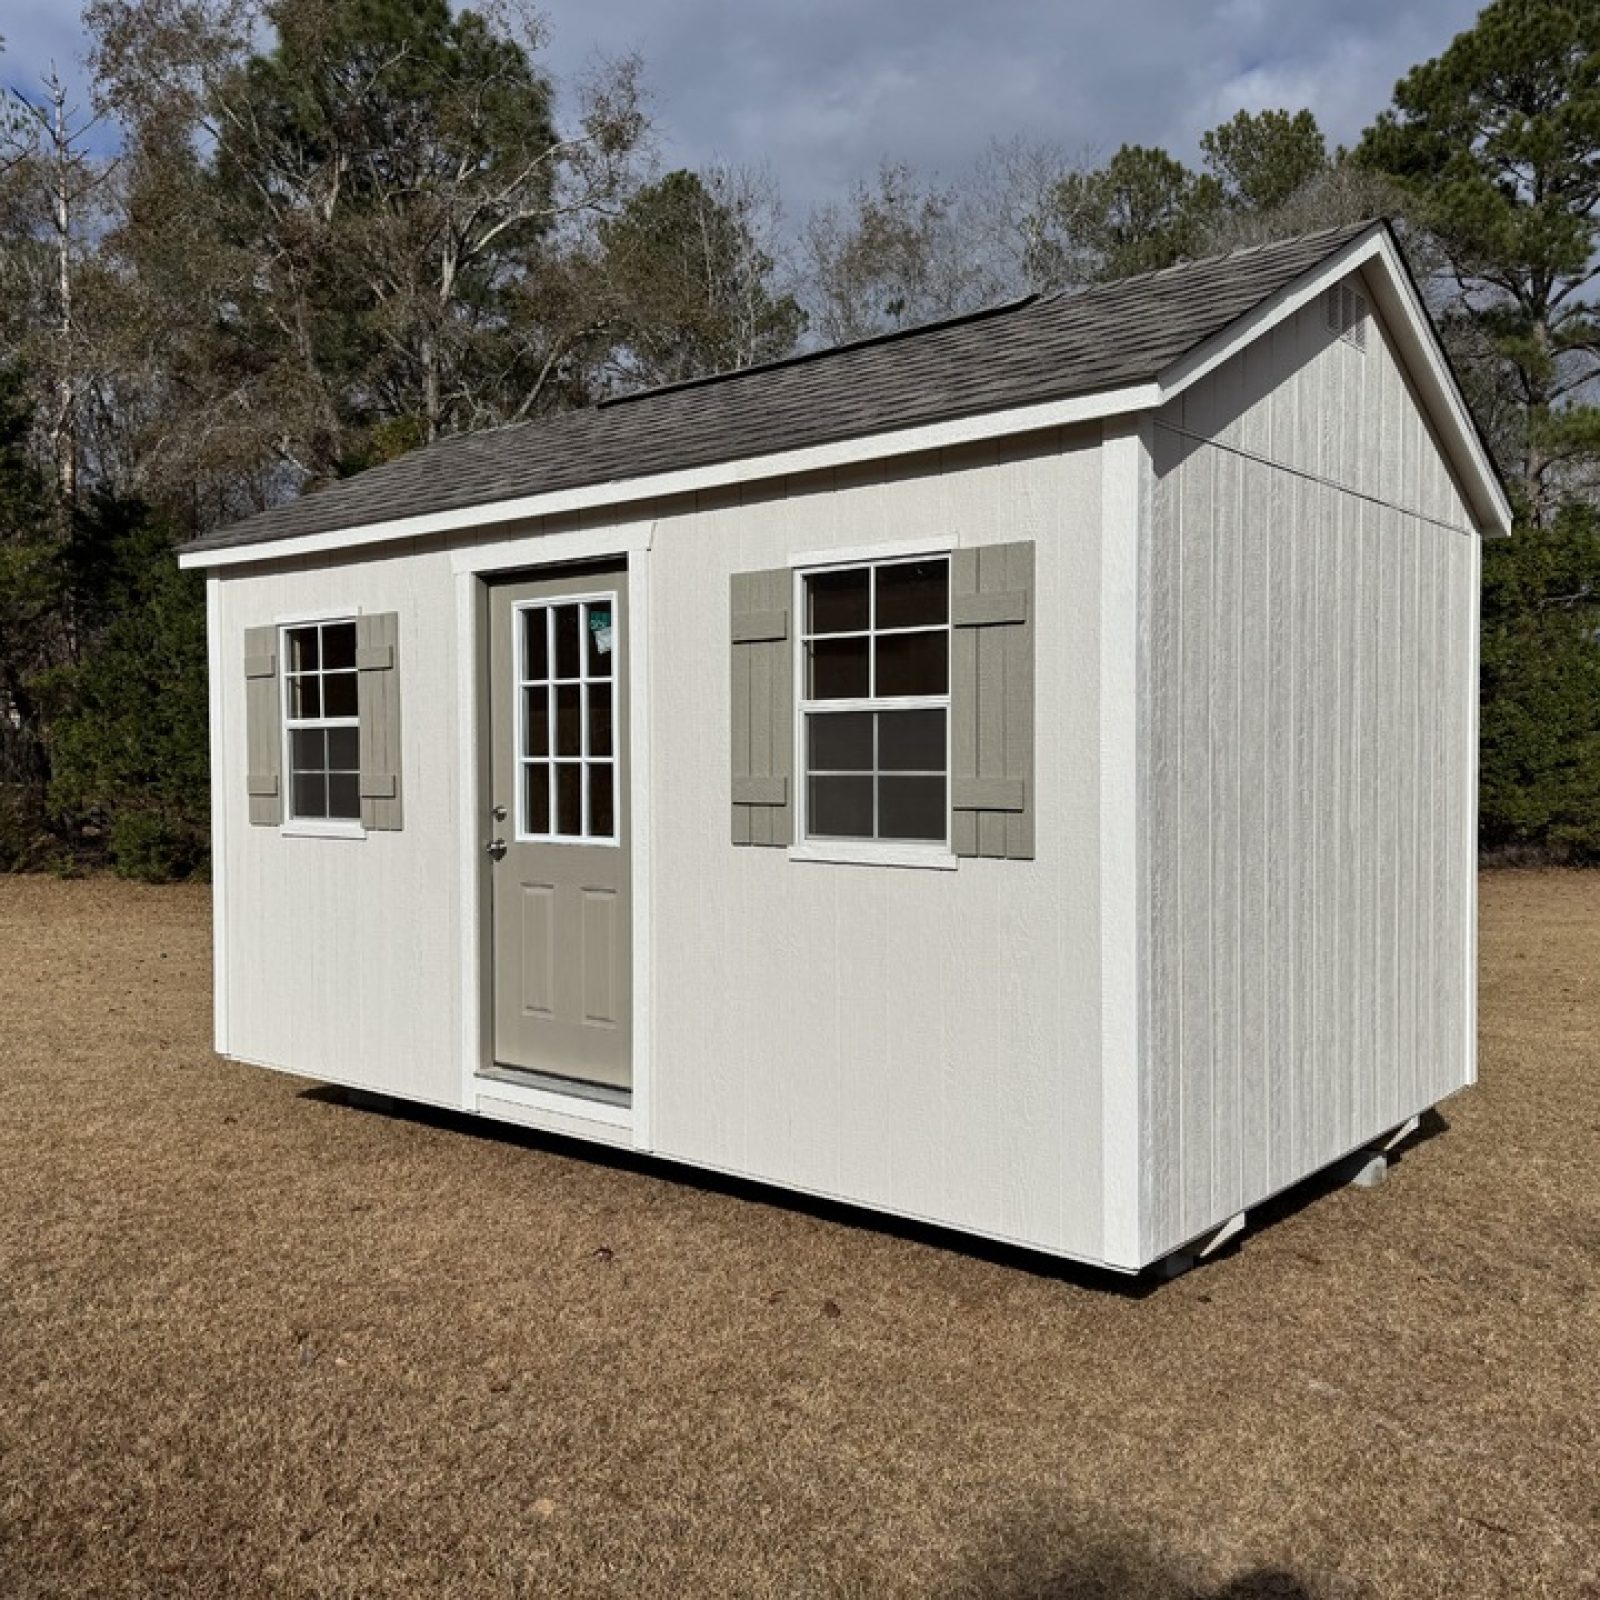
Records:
x=562, y=930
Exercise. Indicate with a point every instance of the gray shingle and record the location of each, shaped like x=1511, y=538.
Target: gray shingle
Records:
x=1047, y=347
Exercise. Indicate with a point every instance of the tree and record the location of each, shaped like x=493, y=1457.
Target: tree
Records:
x=1261, y=158
x=1142, y=210
x=366, y=201
x=897, y=255
x=691, y=262
x=1494, y=142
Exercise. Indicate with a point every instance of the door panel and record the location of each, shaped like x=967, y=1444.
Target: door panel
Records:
x=562, y=911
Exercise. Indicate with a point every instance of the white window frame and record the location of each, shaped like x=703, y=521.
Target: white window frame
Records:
x=311, y=827
x=936, y=853
x=519, y=682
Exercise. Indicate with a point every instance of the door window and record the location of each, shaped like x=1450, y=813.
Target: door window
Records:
x=566, y=703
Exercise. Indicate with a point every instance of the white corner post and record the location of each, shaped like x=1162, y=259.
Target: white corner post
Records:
x=217, y=665
x=1124, y=509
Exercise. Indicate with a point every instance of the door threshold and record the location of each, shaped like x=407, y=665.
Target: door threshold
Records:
x=604, y=1094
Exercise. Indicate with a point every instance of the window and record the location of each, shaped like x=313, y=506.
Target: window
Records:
x=566, y=688
x=875, y=701
x=321, y=719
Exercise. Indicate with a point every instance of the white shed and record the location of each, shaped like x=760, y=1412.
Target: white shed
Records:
x=1018, y=773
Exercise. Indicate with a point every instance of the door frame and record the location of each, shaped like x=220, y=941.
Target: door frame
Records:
x=531, y=556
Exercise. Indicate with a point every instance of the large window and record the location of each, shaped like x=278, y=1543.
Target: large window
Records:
x=321, y=719
x=566, y=687
x=875, y=703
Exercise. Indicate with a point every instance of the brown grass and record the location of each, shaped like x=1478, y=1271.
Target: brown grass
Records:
x=254, y=1341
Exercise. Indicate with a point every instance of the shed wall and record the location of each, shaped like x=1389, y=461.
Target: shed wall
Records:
x=922, y=1041
x=1307, y=756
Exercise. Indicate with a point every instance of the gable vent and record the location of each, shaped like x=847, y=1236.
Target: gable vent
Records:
x=1347, y=314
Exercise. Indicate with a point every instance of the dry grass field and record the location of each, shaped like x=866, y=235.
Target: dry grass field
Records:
x=254, y=1341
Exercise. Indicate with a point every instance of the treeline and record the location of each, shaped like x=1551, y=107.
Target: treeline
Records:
x=289, y=239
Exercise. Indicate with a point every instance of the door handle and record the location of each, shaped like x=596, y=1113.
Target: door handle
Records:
x=496, y=848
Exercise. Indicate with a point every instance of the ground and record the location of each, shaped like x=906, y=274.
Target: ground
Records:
x=256, y=1341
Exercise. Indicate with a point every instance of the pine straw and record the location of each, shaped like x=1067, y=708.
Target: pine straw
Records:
x=255, y=1341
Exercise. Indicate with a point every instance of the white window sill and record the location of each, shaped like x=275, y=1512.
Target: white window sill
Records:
x=323, y=830
x=844, y=852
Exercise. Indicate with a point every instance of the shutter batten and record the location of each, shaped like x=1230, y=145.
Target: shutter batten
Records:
x=991, y=701
x=762, y=708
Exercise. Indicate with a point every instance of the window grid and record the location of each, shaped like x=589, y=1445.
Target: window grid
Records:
x=321, y=746
x=591, y=768
x=871, y=703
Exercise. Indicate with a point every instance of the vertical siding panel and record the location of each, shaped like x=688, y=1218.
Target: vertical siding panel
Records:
x=1198, y=1090
x=1162, y=859
x=1373, y=689
x=1306, y=819
x=1255, y=699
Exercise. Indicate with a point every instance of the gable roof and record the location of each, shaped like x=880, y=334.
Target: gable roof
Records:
x=1040, y=349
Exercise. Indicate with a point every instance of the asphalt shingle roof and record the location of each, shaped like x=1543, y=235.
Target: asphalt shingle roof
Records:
x=1047, y=347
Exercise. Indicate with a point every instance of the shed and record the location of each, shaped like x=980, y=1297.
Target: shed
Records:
x=1017, y=773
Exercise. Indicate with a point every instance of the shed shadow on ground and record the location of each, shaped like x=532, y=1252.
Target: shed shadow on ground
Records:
x=1279, y=1208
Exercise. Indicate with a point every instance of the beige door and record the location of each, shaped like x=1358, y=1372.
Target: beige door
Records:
x=559, y=779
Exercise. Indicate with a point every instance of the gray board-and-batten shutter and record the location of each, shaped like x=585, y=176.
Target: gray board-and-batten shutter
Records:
x=762, y=707
x=378, y=664
x=991, y=701
x=263, y=727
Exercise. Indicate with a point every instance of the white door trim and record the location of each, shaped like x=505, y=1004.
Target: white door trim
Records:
x=555, y=1112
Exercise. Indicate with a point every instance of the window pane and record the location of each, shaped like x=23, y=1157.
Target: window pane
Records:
x=569, y=798
x=599, y=719
x=911, y=808
x=912, y=593
x=344, y=750
x=305, y=698
x=566, y=641
x=536, y=797
x=602, y=641
x=536, y=721
x=535, y=645
x=344, y=796
x=837, y=669
x=339, y=694
x=913, y=663
x=310, y=794
x=339, y=645
x=302, y=650
x=839, y=808
x=836, y=602
x=307, y=752
x=600, y=800
x=839, y=741
x=911, y=741
x=569, y=720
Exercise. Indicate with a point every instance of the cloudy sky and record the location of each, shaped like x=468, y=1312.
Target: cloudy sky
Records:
x=819, y=92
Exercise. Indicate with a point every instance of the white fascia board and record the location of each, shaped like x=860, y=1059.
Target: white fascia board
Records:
x=693, y=480
x=1412, y=330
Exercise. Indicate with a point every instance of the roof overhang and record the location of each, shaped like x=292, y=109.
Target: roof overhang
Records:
x=1376, y=251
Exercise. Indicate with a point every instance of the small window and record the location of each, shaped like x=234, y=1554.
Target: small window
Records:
x=321, y=722
x=566, y=739
x=875, y=701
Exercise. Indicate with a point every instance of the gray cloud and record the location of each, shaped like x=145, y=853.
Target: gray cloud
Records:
x=820, y=92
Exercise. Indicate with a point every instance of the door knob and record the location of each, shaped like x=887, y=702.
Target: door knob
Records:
x=496, y=848
x=499, y=813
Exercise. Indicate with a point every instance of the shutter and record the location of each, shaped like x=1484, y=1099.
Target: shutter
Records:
x=378, y=661
x=263, y=727
x=991, y=701
x=763, y=708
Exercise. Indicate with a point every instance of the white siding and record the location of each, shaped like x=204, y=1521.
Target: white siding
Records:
x=922, y=1041
x=1307, y=623
x=926, y=1042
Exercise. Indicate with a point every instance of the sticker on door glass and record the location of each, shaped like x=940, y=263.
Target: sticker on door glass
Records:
x=600, y=627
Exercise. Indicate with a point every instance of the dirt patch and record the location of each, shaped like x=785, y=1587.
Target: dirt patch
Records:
x=254, y=1341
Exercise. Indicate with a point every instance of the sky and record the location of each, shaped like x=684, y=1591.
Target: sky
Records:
x=818, y=93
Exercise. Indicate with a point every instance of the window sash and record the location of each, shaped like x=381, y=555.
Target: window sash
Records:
x=290, y=725
x=808, y=707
